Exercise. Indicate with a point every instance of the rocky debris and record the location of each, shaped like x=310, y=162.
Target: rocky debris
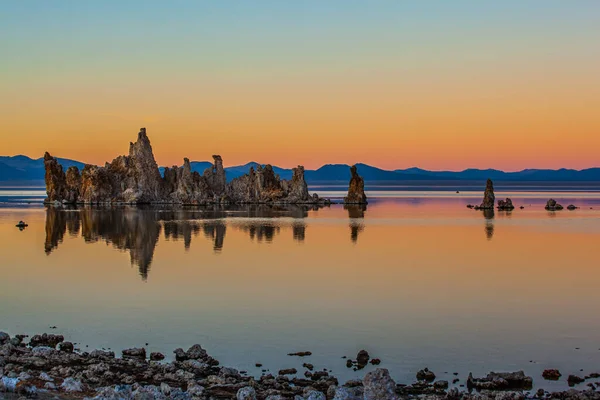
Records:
x=246, y=393
x=572, y=207
x=378, y=385
x=356, y=189
x=501, y=381
x=488, y=197
x=42, y=370
x=552, y=205
x=505, y=205
x=573, y=380
x=301, y=354
x=375, y=361
x=425, y=375
x=551, y=374
x=135, y=179
x=440, y=385
x=46, y=340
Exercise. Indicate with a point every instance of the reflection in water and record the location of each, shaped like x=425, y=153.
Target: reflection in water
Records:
x=489, y=223
x=299, y=231
x=137, y=229
x=356, y=212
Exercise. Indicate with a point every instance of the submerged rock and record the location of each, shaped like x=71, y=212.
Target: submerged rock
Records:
x=572, y=207
x=356, y=189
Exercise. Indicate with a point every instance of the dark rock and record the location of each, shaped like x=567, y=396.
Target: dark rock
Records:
x=67, y=347
x=573, y=380
x=356, y=189
x=349, y=363
x=301, y=354
x=425, y=375
x=375, y=361
x=136, y=352
x=288, y=371
x=488, y=197
x=551, y=374
x=156, y=356
x=552, y=205
x=441, y=385
x=310, y=367
x=362, y=358
x=571, y=207
x=505, y=205
x=501, y=381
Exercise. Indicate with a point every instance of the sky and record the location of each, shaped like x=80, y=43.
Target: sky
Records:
x=396, y=84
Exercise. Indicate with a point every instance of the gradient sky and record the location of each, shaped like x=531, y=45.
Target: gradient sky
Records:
x=439, y=85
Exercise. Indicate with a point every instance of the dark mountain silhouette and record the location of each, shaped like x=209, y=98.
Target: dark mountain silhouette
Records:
x=24, y=169
x=27, y=170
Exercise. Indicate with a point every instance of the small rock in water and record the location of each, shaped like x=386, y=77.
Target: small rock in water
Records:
x=375, y=361
x=156, y=356
x=258, y=365
x=573, y=380
x=551, y=374
x=288, y=371
x=308, y=366
x=301, y=354
x=425, y=375
x=362, y=358
x=136, y=352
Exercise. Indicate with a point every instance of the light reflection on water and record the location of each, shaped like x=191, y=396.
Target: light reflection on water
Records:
x=416, y=281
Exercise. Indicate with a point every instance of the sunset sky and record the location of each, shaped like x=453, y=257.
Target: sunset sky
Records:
x=435, y=84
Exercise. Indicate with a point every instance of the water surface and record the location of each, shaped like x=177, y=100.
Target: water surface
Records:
x=416, y=278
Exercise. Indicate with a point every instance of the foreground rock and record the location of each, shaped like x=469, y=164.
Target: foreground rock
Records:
x=356, y=189
x=552, y=205
x=501, y=381
x=45, y=372
x=135, y=179
x=489, y=198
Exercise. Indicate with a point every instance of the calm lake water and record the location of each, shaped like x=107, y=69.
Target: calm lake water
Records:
x=416, y=278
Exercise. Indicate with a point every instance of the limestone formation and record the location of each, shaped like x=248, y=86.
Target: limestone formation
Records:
x=356, y=189
x=264, y=186
x=552, y=205
x=488, y=197
x=135, y=179
x=505, y=205
x=56, y=182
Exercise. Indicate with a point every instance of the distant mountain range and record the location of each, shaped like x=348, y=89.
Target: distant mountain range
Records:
x=22, y=169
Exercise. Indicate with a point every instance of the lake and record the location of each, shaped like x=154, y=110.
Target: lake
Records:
x=415, y=278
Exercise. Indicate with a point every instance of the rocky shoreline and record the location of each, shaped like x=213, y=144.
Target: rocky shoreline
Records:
x=47, y=366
